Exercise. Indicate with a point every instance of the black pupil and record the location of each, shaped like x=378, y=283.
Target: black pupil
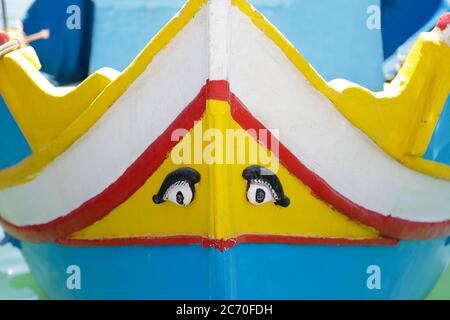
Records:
x=260, y=196
x=180, y=198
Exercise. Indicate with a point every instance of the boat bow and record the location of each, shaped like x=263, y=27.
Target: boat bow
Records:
x=221, y=62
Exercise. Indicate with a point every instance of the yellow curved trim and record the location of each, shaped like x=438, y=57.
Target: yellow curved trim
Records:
x=41, y=110
x=401, y=120
x=391, y=119
x=65, y=129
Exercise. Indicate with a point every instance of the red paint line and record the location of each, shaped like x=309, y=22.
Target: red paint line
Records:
x=118, y=192
x=142, y=169
x=225, y=244
x=137, y=241
x=387, y=225
x=218, y=90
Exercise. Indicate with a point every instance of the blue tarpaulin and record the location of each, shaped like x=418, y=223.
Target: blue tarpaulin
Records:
x=65, y=56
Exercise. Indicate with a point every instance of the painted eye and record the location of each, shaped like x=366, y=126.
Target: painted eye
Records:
x=178, y=187
x=263, y=186
x=180, y=193
x=259, y=194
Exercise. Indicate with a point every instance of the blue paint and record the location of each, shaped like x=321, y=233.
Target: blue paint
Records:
x=337, y=45
x=332, y=35
x=247, y=271
x=403, y=22
x=13, y=145
x=123, y=272
x=65, y=56
x=8, y=239
x=123, y=28
x=391, y=62
x=439, y=147
x=401, y=19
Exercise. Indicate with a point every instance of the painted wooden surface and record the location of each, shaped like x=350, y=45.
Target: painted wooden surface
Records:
x=397, y=197
x=422, y=206
x=248, y=271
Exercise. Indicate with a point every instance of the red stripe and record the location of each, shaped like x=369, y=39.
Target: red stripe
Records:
x=218, y=90
x=137, y=241
x=386, y=225
x=225, y=244
x=118, y=192
x=98, y=207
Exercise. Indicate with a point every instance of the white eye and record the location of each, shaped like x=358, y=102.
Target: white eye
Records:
x=263, y=186
x=178, y=187
x=259, y=193
x=180, y=193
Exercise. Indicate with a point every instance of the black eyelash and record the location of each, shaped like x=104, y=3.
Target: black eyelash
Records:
x=257, y=173
x=191, y=176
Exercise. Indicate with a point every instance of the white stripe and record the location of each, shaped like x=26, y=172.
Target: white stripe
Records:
x=279, y=96
x=101, y=156
x=219, y=28
x=274, y=91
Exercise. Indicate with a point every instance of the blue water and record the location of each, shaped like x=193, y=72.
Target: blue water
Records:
x=13, y=268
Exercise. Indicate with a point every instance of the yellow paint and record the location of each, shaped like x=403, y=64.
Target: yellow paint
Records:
x=401, y=120
x=53, y=119
x=220, y=222
x=220, y=209
x=41, y=110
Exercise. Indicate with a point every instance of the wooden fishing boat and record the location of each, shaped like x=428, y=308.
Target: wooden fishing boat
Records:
x=138, y=186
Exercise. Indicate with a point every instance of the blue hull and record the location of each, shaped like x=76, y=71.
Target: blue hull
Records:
x=247, y=271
